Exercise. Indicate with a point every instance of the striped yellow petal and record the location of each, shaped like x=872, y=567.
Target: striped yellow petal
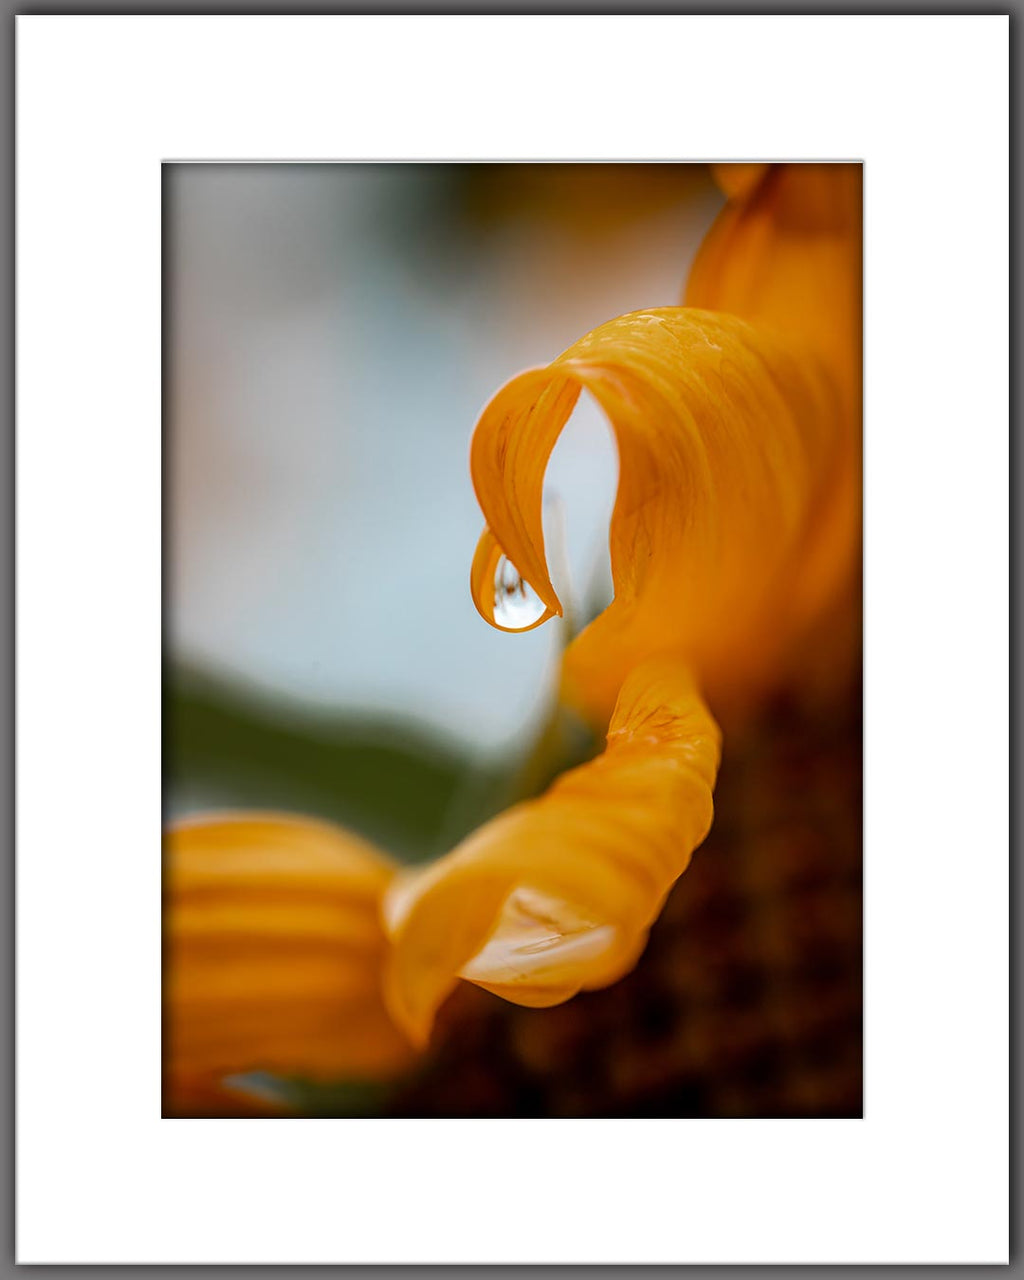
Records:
x=273, y=953
x=557, y=894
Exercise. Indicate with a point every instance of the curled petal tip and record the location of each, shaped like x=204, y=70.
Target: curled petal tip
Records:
x=511, y=444
x=557, y=894
x=729, y=534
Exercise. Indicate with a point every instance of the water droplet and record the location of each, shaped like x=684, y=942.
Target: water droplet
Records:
x=516, y=605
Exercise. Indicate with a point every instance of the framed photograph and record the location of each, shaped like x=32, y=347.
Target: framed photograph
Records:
x=500, y=576
x=359, y=770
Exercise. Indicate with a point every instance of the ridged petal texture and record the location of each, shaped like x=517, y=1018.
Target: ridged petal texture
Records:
x=786, y=253
x=557, y=894
x=736, y=522
x=274, y=955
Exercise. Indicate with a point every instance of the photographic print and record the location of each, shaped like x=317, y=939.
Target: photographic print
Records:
x=512, y=705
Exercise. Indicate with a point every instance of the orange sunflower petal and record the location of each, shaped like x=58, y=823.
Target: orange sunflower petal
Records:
x=737, y=419
x=729, y=530
x=786, y=252
x=557, y=894
x=739, y=180
x=274, y=953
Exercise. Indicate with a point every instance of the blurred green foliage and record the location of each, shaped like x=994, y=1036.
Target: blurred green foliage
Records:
x=411, y=791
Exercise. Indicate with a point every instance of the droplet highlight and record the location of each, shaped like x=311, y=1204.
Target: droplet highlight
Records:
x=501, y=594
x=516, y=605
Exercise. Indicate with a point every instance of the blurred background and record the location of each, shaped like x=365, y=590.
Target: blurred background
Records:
x=332, y=332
